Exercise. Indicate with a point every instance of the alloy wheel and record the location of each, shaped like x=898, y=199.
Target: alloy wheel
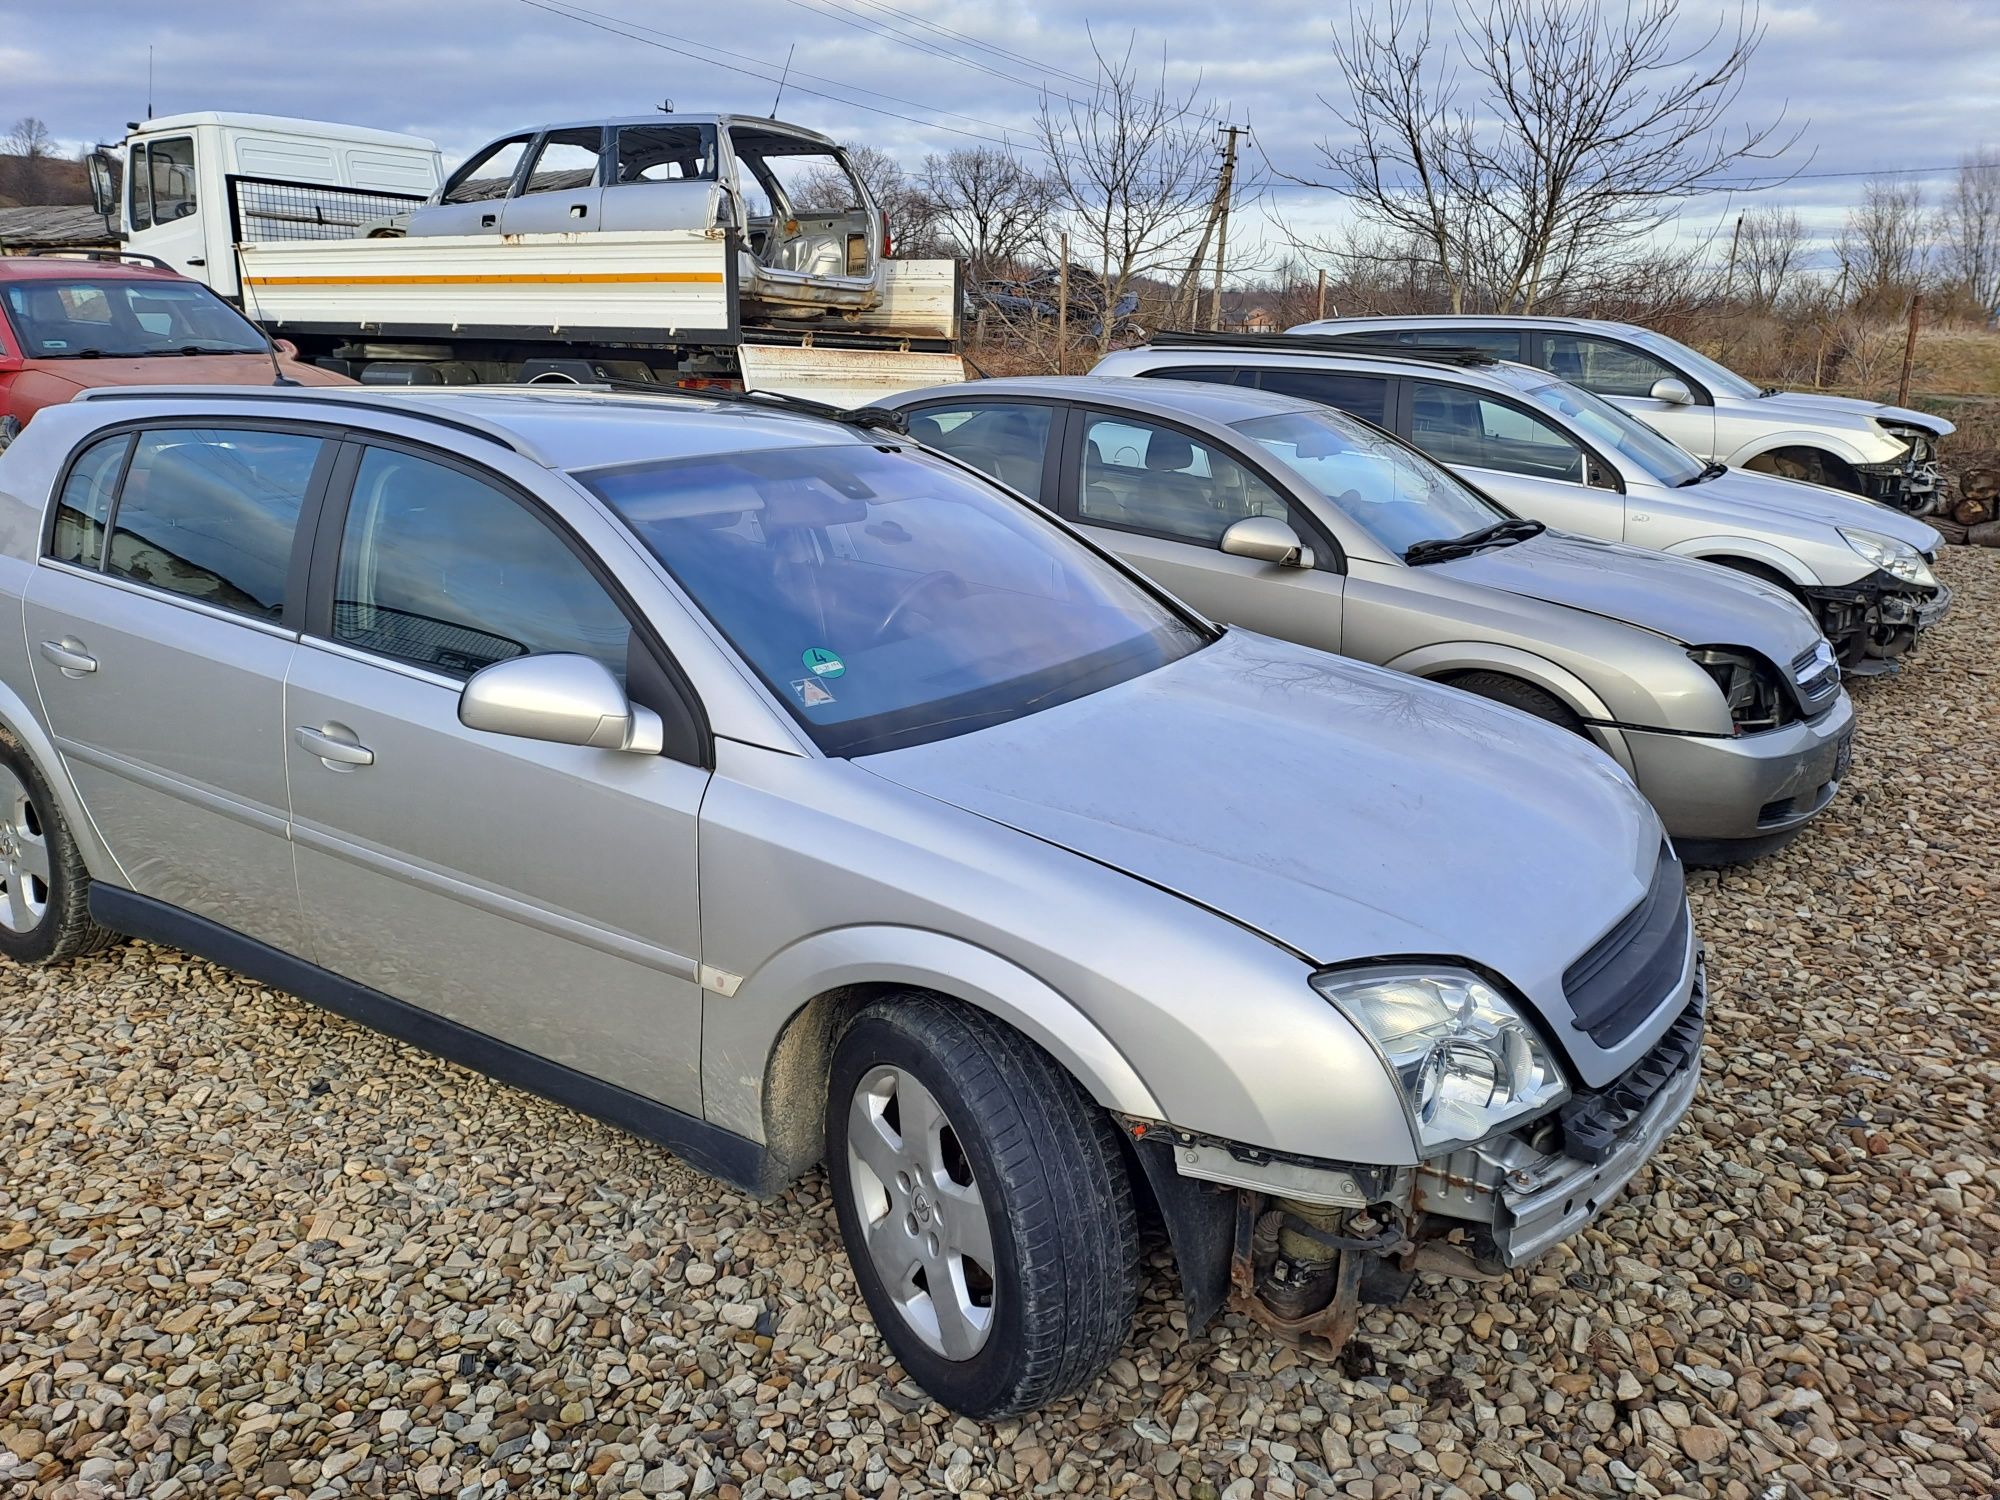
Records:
x=24, y=857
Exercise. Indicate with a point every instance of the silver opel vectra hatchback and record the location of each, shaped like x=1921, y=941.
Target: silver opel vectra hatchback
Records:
x=784, y=793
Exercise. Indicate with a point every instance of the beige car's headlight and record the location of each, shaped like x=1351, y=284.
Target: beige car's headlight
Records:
x=1465, y=1060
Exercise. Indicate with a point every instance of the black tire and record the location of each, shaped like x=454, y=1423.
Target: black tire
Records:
x=1525, y=696
x=1813, y=465
x=1058, y=1204
x=64, y=929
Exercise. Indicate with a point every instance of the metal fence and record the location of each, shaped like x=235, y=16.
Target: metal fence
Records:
x=270, y=208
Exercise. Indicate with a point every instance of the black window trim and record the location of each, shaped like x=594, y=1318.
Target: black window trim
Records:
x=135, y=428
x=330, y=522
x=1328, y=555
x=1592, y=457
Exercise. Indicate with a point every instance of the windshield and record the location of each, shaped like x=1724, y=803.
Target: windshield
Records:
x=1398, y=497
x=1717, y=378
x=85, y=319
x=1608, y=426
x=887, y=598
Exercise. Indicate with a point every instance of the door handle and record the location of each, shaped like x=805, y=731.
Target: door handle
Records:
x=68, y=653
x=197, y=260
x=487, y=221
x=579, y=210
x=335, y=744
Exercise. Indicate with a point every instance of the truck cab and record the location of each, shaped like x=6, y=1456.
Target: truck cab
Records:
x=196, y=185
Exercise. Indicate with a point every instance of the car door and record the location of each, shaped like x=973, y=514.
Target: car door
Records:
x=473, y=198
x=1619, y=372
x=539, y=894
x=563, y=189
x=162, y=203
x=1161, y=498
x=1516, y=456
x=162, y=621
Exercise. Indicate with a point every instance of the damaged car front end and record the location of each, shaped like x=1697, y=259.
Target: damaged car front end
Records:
x=1911, y=481
x=1876, y=619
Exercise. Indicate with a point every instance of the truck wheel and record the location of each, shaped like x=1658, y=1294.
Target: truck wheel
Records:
x=984, y=1204
x=1522, y=695
x=44, y=887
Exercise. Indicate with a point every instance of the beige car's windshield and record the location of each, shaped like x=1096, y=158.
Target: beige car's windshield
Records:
x=888, y=598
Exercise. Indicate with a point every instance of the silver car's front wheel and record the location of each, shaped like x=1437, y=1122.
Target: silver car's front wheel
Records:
x=24, y=857
x=983, y=1198
x=921, y=1212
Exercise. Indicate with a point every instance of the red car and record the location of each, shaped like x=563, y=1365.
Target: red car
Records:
x=73, y=321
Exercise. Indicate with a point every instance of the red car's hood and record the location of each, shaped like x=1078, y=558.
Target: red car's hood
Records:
x=183, y=369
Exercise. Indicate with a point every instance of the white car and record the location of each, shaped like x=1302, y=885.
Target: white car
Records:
x=1557, y=454
x=1884, y=452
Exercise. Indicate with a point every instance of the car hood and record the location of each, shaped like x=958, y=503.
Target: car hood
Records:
x=1344, y=811
x=1748, y=496
x=1694, y=603
x=1808, y=402
x=188, y=369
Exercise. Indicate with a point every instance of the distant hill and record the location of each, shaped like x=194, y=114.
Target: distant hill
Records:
x=42, y=179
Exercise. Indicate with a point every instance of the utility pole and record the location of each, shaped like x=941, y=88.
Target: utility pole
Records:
x=1319, y=307
x=1222, y=191
x=1729, y=282
x=1909, y=348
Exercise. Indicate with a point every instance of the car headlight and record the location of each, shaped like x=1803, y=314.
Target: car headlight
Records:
x=1464, y=1059
x=1897, y=559
x=1749, y=685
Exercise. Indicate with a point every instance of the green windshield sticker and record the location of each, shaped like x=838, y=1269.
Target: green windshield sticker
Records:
x=823, y=662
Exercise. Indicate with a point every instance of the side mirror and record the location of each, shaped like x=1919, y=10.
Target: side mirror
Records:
x=10, y=362
x=562, y=699
x=103, y=184
x=1267, y=539
x=286, y=347
x=1673, y=392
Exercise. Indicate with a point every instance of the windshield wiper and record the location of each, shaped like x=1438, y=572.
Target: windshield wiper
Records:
x=1712, y=471
x=1769, y=390
x=1499, y=534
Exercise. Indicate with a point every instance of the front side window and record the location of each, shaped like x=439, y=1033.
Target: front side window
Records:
x=666, y=153
x=1610, y=369
x=567, y=161
x=446, y=571
x=1396, y=496
x=1149, y=477
x=1008, y=440
x=886, y=597
x=125, y=318
x=209, y=513
x=85, y=502
x=162, y=187
x=1716, y=377
x=1459, y=426
x=488, y=175
x=1617, y=429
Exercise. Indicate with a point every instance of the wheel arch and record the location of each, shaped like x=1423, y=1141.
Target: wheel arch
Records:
x=20, y=726
x=1442, y=660
x=1772, y=562
x=767, y=1048
x=1770, y=444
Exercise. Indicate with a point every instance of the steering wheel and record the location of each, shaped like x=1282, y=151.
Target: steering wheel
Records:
x=940, y=578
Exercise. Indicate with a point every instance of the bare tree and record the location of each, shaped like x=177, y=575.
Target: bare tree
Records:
x=1130, y=174
x=1885, y=247
x=1770, y=253
x=1541, y=159
x=31, y=147
x=1969, y=231
x=989, y=207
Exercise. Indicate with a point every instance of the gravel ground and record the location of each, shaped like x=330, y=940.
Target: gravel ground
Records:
x=249, y=1248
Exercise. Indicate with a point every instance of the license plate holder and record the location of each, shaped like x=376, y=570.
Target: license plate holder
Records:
x=1843, y=757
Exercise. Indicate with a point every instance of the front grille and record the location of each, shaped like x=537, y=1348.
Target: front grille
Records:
x=1593, y=1118
x=1817, y=673
x=1625, y=976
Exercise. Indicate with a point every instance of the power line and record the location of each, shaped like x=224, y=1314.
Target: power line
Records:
x=984, y=46
x=767, y=72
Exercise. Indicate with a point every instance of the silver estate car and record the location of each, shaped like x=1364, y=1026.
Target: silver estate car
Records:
x=1716, y=692
x=1556, y=453
x=1884, y=452
x=783, y=792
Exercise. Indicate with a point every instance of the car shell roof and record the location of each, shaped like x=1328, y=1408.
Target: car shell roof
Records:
x=574, y=429
x=1224, y=405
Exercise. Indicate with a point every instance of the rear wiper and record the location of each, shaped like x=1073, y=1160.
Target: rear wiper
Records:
x=1499, y=534
x=1712, y=471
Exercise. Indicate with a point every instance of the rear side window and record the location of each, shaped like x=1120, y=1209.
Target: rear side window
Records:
x=443, y=570
x=85, y=503
x=1501, y=343
x=1207, y=375
x=1363, y=396
x=209, y=513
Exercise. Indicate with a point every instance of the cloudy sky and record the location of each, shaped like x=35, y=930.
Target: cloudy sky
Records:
x=1876, y=85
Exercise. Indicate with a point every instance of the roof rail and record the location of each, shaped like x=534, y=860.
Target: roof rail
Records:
x=1317, y=343
x=118, y=256
x=320, y=396
x=882, y=417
